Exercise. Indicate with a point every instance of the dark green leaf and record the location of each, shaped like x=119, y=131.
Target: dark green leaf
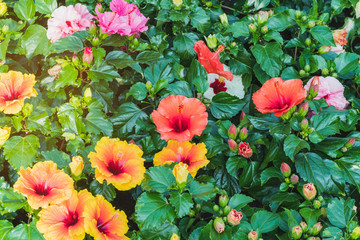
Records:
x=71, y=43
x=270, y=173
x=240, y=29
x=45, y=6
x=126, y=116
x=180, y=88
x=184, y=44
x=148, y=57
x=35, y=41
x=158, y=179
x=264, y=221
x=225, y=105
x=339, y=211
x=108, y=191
x=200, y=20
x=239, y=201
x=104, y=71
x=25, y=232
x=346, y=62
x=181, y=202
x=310, y=215
x=269, y=57
x=5, y=229
x=202, y=191
x=293, y=144
x=138, y=91
x=60, y=158
x=68, y=77
x=323, y=34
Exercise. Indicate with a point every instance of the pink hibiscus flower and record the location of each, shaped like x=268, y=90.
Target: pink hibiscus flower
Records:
x=68, y=20
x=332, y=90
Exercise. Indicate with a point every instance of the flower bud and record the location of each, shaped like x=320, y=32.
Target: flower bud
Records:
x=314, y=87
x=75, y=60
x=216, y=208
x=76, y=165
x=243, y=134
x=88, y=55
x=285, y=169
x=181, y=172
x=3, y=9
x=175, y=237
x=296, y=232
x=253, y=235
x=219, y=225
x=234, y=217
x=95, y=42
x=232, y=145
x=27, y=109
x=177, y=3
x=303, y=226
x=304, y=124
x=92, y=28
x=264, y=29
x=252, y=28
x=227, y=210
x=311, y=24
x=350, y=143
x=355, y=234
x=308, y=42
x=5, y=29
x=303, y=109
x=316, y=204
x=223, y=200
x=298, y=14
x=211, y=41
x=87, y=95
x=4, y=134
x=325, y=72
x=323, y=212
x=307, y=68
x=315, y=230
x=302, y=73
x=324, y=49
x=148, y=86
x=224, y=19
x=99, y=7
x=262, y=17
x=245, y=150
x=294, y=179
x=242, y=115
x=309, y=191
x=232, y=132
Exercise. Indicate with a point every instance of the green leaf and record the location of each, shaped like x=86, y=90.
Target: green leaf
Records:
x=96, y=122
x=39, y=121
x=35, y=41
x=293, y=144
x=104, y=94
x=11, y=201
x=281, y=21
x=160, y=71
x=138, y=91
x=265, y=221
x=182, y=203
x=108, y=191
x=104, y=71
x=3, y=48
x=45, y=6
x=332, y=233
x=226, y=181
x=180, y=88
x=184, y=44
x=60, y=158
x=165, y=231
x=70, y=119
x=25, y=9
x=121, y=60
x=200, y=20
x=323, y=34
x=148, y=57
x=269, y=57
x=239, y=201
x=68, y=76
x=311, y=168
x=346, y=62
x=240, y=29
x=234, y=163
x=5, y=229
x=126, y=116
x=225, y=106
x=71, y=43
x=152, y=210
x=20, y=151
x=269, y=173
x=158, y=179
x=310, y=215
x=202, y=191
x=214, y=144
x=25, y=232
x=339, y=211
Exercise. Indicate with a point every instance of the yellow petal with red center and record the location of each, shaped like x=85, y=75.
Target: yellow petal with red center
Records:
x=165, y=156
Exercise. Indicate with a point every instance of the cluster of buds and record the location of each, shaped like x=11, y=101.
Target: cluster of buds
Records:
x=239, y=134
x=286, y=116
x=286, y=172
x=303, y=20
x=258, y=26
x=348, y=145
x=302, y=230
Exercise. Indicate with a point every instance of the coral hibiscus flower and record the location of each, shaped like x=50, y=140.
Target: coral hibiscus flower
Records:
x=118, y=162
x=65, y=221
x=210, y=60
x=189, y=153
x=44, y=184
x=180, y=118
x=279, y=96
x=103, y=222
x=15, y=87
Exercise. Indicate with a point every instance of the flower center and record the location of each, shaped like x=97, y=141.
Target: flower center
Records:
x=42, y=189
x=102, y=226
x=180, y=124
x=68, y=23
x=12, y=94
x=71, y=219
x=218, y=85
x=116, y=165
x=181, y=157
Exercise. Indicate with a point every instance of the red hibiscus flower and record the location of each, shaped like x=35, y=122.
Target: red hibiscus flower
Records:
x=279, y=96
x=210, y=60
x=245, y=150
x=180, y=118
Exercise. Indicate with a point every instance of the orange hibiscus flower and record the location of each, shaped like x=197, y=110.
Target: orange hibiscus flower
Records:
x=211, y=61
x=15, y=87
x=65, y=221
x=180, y=118
x=189, y=153
x=279, y=96
x=340, y=37
x=44, y=184
x=103, y=222
x=118, y=162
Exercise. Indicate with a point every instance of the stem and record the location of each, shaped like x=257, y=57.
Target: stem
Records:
x=230, y=8
x=296, y=48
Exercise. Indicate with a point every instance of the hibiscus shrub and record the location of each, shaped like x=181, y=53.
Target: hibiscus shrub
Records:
x=179, y=119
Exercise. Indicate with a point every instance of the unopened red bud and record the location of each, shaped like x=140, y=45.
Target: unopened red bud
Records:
x=242, y=115
x=350, y=143
x=253, y=235
x=232, y=144
x=304, y=124
x=285, y=169
x=294, y=179
x=88, y=55
x=243, y=133
x=232, y=132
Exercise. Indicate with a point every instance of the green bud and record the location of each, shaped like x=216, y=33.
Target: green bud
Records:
x=264, y=29
x=296, y=232
x=298, y=13
x=224, y=19
x=216, y=208
x=198, y=207
x=221, y=212
x=316, y=204
x=223, y=200
x=75, y=101
x=148, y=86
x=334, y=75
x=252, y=28
x=227, y=210
x=355, y=234
x=308, y=42
x=307, y=68
x=192, y=213
x=324, y=49
x=325, y=71
x=304, y=18
x=311, y=24
x=5, y=29
x=209, y=4
x=302, y=73
x=27, y=109
x=233, y=44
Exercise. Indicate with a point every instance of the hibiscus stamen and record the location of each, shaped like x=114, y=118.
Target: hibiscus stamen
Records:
x=219, y=50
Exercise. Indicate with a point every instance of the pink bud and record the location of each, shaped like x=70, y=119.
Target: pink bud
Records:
x=234, y=217
x=324, y=49
x=232, y=131
x=242, y=115
x=253, y=235
x=294, y=179
x=285, y=169
x=315, y=85
x=99, y=8
x=243, y=134
x=315, y=230
x=232, y=144
x=303, y=109
x=296, y=232
x=88, y=56
x=303, y=226
x=219, y=225
x=350, y=143
x=309, y=191
x=304, y=124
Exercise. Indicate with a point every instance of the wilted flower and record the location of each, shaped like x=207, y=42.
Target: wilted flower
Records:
x=279, y=96
x=88, y=55
x=44, y=184
x=15, y=87
x=65, y=221
x=309, y=191
x=245, y=150
x=76, y=165
x=181, y=172
x=4, y=134
x=210, y=60
x=285, y=169
x=118, y=162
x=340, y=40
x=219, y=225
x=296, y=232
x=252, y=235
x=55, y=70
x=331, y=89
x=234, y=217
x=102, y=221
x=180, y=118
x=188, y=153
x=68, y=20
